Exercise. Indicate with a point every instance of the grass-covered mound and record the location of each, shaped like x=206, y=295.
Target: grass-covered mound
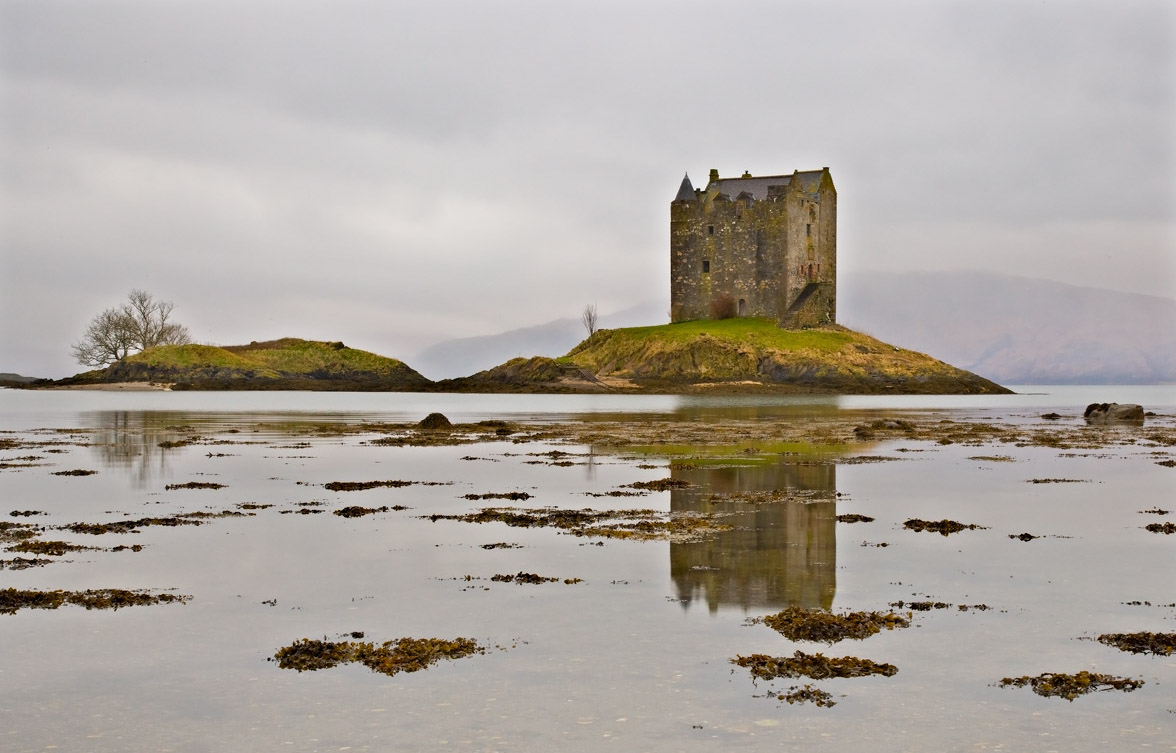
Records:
x=538, y=374
x=733, y=355
x=289, y=363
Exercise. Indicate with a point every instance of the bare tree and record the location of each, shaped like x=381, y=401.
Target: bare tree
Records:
x=588, y=318
x=140, y=323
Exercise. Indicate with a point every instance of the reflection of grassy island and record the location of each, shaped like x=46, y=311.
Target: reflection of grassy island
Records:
x=731, y=355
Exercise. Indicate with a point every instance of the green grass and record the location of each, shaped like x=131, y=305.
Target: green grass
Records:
x=276, y=358
x=197, y=356
x=296, y=356
x=759, y=332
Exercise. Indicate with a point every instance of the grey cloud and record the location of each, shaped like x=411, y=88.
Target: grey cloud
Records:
x=498, y=164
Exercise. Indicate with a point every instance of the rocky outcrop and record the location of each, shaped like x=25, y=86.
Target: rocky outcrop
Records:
x=1114, y=413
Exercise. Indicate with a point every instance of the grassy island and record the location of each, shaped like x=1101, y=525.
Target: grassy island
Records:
x=286, y=364
x=731, y=355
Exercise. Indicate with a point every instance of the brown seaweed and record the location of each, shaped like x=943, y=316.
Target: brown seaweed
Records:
x=1160, y=644
x=798, y=623
x=1058, y=685
x=816, y=666
x=389, y=658
x=943, y=527
x=12, y=599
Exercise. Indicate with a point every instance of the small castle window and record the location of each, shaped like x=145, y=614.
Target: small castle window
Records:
x=710, y=229
x=705, y=266
x=808, y=231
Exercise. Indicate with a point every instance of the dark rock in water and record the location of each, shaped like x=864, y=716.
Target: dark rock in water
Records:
x=1105, y=413
x=1051, y=416
x=435, y=421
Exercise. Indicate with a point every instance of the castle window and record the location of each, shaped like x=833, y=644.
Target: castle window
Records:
x=808, y=231
x=710, y=229
x=705, y=266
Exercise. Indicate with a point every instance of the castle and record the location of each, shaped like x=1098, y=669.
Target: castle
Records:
x=755, y=246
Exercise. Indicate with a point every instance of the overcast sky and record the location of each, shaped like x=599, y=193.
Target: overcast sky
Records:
x=391, y=174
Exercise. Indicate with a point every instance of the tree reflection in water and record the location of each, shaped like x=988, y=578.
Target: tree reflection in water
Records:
x=130, y=441
x=783, y=548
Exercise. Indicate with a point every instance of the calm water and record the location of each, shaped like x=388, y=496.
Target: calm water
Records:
x=637, y=656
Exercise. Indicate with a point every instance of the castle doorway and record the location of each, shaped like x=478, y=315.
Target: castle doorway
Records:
x=742, y=307
x=810, y=275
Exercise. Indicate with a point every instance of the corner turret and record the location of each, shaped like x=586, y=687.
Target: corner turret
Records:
x=686, y=191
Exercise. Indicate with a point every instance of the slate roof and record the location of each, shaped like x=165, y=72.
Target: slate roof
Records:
x=810, y=181
x=686, y=192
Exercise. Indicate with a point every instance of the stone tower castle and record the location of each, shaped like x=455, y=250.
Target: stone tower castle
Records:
x=755, y=246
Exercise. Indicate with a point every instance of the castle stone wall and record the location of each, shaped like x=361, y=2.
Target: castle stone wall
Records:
x=760, y=248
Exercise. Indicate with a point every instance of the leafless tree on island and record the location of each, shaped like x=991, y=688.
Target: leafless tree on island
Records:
x=588, y=318
x=140, y=323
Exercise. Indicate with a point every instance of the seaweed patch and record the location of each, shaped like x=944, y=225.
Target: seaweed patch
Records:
x=1070, y=687
x=618, y=524
x=1160, y=644
x=50, y=548
x=816, y=666
x=12, y=599
x=797, y=623
x=359, y=486
x=943, y=527
x=807, y=694
x=661, y=484
x=389, y=658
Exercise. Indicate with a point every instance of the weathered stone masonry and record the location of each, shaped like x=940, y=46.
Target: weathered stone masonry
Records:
x=760, y=246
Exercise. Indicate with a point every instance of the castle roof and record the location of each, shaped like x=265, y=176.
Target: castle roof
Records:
x=757, y=187
x=686, y=191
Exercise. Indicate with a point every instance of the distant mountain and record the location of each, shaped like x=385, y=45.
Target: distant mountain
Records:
x=1013, y=330
x=1017, y=330
x=10, y=377
x=457, y=358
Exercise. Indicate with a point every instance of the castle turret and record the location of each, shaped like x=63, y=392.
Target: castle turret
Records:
x=686, y=192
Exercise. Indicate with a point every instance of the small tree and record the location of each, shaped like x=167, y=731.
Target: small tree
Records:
x=140, y=323
x=588, y=318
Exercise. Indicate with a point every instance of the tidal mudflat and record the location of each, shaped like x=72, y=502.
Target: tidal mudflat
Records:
x=747, y=576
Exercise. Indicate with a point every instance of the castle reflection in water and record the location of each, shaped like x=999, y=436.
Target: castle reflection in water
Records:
x=782, y=550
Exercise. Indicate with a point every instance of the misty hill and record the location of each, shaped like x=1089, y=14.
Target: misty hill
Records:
x=1017, y=330
x=467, y=355
x=730, y=355
x=1013, y=330
x=15, y=378
x=289, y=363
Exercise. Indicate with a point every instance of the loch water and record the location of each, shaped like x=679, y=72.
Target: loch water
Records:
x=636, y=655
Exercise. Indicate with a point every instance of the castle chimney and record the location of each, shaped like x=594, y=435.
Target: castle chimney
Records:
x=714, y=175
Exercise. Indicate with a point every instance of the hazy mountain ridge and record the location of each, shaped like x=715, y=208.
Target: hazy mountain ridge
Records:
x=1018, y=330
x=1013, y=330
x=451, y=359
